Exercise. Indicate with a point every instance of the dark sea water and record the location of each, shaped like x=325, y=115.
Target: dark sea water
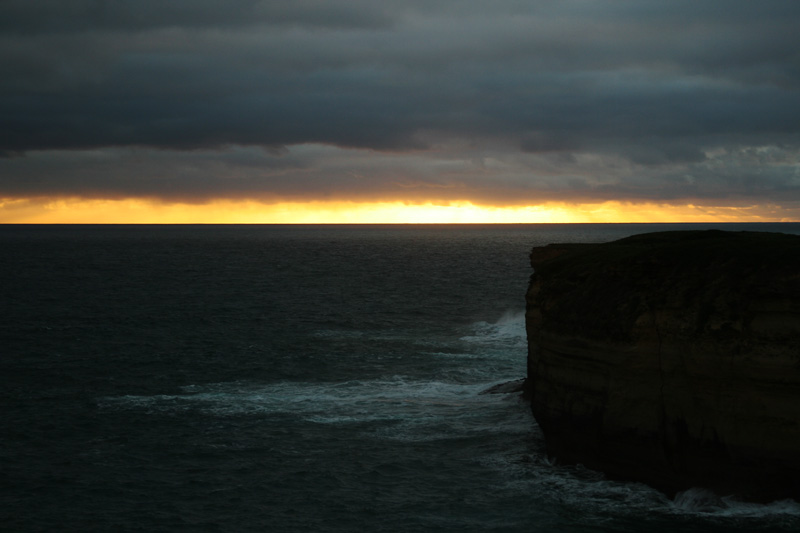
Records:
x=293, y=378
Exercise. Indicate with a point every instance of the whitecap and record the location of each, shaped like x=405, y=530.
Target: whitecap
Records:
x=699, y=500
x=509, y=328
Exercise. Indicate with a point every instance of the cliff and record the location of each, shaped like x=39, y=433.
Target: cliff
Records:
x=671, y=358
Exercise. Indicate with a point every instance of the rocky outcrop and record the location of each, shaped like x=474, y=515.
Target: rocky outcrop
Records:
x=671, y=358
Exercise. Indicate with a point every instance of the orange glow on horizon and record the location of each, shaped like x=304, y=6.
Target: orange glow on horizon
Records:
x=139, y=211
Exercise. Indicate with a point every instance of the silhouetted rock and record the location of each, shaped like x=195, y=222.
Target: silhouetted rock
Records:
x=671, y=358
x=507, y=387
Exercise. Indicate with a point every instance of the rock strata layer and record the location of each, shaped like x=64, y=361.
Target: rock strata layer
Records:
x=671, y=358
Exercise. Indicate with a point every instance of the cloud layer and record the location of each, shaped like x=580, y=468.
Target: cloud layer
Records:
x=504, y=103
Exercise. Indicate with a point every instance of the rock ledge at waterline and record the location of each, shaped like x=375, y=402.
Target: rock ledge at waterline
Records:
x=671, y=358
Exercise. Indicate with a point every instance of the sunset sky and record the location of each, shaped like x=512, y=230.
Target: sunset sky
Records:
x=399, y=110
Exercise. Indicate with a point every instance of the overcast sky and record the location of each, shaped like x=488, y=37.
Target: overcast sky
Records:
x=502, y=102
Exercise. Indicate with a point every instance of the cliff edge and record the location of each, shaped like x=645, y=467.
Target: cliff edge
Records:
x=671, y=358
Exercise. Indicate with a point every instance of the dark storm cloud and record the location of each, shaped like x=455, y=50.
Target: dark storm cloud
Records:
x=596, y=98
x=45, y=16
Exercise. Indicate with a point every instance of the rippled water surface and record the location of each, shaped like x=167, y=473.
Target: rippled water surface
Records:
x=294, y=378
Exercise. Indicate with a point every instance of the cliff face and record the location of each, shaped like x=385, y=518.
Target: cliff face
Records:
x=671, y=358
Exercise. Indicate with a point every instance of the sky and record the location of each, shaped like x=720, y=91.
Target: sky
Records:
x=399, y=111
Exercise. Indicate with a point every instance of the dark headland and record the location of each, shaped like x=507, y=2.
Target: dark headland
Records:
x=672, y=359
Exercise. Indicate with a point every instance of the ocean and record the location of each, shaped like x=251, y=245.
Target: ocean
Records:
x=280, y=378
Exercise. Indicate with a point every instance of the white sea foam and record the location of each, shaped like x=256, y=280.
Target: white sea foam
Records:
x=509, y=328
x=595, y=498
x=397, y=397
x=698, y=500
x=497, y=346
x=395, y=409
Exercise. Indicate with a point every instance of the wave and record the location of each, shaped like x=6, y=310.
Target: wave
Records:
x=398, y=399
x=595, y=499
x=698, y=500
x=509, y=328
